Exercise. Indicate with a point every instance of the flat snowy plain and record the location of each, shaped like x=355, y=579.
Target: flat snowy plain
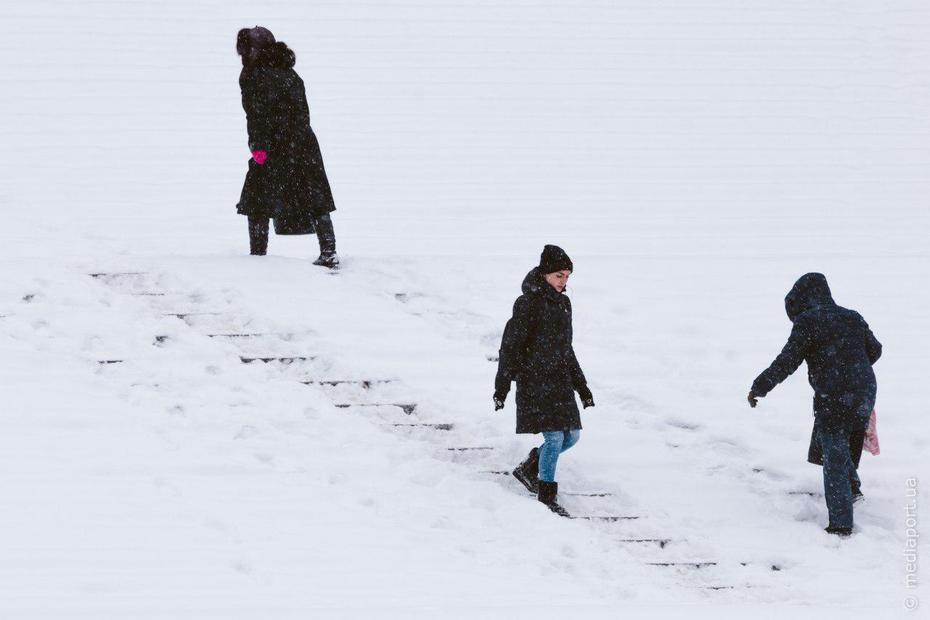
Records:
x=694, y=158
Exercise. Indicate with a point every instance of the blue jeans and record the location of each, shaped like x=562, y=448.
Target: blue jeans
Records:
x=838, y=472
x=554, y=444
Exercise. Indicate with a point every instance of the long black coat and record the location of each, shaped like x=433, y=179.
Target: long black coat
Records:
x=292, y=183
x=536, y=351
x=839, y=349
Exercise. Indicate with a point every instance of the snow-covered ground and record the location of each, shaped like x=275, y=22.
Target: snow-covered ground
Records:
x=694, y=158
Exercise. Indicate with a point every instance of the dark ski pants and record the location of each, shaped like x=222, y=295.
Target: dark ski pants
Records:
x=839, y=471
x=554, y=444
x=325, y=234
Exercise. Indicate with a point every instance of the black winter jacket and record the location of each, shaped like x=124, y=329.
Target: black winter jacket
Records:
x=536, y=352
x=292, y=182
x=839, y=349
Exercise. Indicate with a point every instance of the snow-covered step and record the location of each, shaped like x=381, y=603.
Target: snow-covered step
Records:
x=407, y=408
x=659, y=542
x=365, y=384
x=428, y=425
x=184, y=316
x=115, y=275
x=696, y=565
x=363, y=391
x=287, y=359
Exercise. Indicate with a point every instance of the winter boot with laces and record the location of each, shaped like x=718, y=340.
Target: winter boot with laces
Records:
x=548, y=491
x=527, y=472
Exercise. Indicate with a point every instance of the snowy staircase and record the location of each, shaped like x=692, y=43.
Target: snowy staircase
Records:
x=386, y=401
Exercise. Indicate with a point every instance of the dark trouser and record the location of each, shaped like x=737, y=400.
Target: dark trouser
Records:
x=839, y=472
x=325, y=234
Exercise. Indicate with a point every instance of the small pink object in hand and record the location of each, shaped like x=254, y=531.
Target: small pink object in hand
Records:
x=870, y=443
x=259, y=157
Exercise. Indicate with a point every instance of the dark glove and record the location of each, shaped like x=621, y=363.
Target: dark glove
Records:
x=587, y=399
x=501, y=388
x=753, y=399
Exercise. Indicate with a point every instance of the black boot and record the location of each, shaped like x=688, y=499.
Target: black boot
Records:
x=326, y=235
x=548, y=491
x=258, y=235
x=527, y=472
x=842, y=532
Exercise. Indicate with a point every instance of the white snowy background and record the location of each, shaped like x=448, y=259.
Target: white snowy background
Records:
x=694, y=159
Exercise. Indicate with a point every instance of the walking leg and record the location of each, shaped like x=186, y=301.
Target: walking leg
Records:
x=548, y=458
x=326, y=236
x=570, y=438
x=549, y=455
x=837, y=470
x=855, y=452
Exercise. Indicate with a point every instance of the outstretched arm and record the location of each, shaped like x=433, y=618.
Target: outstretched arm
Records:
x=786, y=363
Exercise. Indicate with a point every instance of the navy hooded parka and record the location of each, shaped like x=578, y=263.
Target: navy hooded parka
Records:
x=839, y=349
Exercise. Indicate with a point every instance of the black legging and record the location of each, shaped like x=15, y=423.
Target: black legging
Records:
x=325, y=234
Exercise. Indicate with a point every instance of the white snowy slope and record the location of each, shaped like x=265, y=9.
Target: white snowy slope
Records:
x=694, y=159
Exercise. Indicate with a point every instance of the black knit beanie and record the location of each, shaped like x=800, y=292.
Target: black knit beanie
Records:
x=554, y=258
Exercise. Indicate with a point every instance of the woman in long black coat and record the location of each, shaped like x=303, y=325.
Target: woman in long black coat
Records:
x=286, y=179
x=536, y=352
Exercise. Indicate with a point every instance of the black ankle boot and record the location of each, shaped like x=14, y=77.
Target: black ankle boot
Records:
x=842, y=532
x=548, y=491
x=527, y=472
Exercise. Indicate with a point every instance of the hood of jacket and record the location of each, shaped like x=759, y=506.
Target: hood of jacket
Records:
x=811, y=290
x=535, y=284
x=277, y=55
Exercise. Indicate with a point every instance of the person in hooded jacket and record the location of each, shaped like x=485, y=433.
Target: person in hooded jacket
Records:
x=536, y=352
x=839, y=349
x=286, y=179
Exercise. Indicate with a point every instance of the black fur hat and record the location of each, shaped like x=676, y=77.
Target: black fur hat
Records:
x=250, y=41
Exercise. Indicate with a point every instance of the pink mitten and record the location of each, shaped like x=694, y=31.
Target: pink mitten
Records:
x=259, y=157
